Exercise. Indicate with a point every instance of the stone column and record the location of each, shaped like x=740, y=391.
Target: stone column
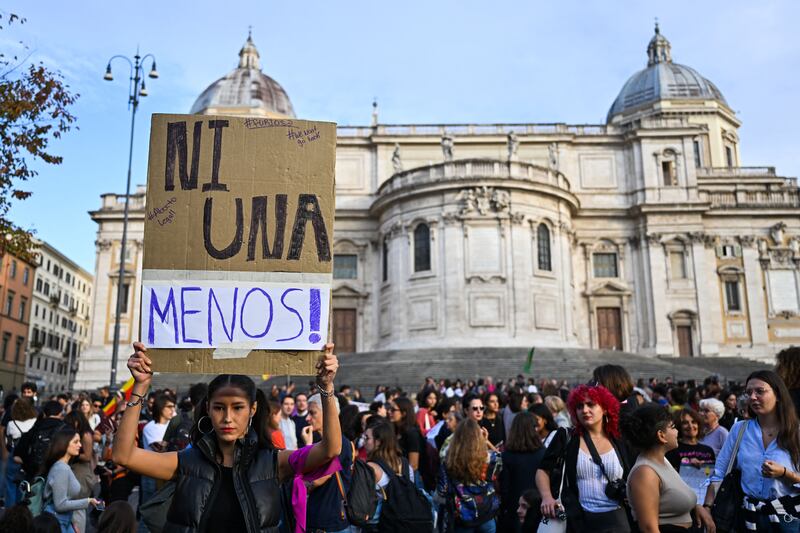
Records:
x=753, y=279
x=706, y=289
x=658, y=282
x=565, y=281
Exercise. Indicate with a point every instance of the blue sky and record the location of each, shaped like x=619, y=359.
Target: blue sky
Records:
x=426, y=62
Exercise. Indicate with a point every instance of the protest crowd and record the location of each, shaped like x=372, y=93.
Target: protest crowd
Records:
x=481, y=455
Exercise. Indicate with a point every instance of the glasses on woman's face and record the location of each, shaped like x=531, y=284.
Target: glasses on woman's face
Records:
x=478, y=408
x=758, y=391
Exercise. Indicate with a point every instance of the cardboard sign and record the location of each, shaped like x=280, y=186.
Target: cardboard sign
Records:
x=238, y=244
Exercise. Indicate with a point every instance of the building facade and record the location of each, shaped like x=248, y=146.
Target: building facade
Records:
x=643, y=234
x=94, y=368
x=15, y=294
x=59, y=320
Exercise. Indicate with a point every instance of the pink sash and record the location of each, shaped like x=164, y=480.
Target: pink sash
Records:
x=297, y=461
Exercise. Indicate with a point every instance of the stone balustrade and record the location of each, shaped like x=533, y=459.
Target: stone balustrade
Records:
x=762, y=197
x=439, y=130
x=734, y=172
x=475, y=169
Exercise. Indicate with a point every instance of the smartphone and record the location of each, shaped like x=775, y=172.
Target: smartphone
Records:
x=101, y=505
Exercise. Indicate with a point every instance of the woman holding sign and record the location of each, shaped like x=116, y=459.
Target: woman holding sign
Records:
x=229, y=479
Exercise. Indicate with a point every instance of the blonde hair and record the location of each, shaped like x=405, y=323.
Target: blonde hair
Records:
x=555, y=404
x=467, y=455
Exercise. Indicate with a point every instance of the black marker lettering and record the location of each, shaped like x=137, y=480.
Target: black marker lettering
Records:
x=303, y=215
x=214, y=184
x=235, y=245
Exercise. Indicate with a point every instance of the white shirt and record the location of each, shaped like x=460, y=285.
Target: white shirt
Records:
x=592, y=483
x=94, y=421
x=288, y=428
x=17, y=428
x=153, y=432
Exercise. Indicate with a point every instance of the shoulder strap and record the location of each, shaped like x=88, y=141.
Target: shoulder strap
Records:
x=595, y=455
x=736, y=447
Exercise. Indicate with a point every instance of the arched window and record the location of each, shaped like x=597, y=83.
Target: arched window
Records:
x=543, y=247
x=422, y=248
x=385, y=259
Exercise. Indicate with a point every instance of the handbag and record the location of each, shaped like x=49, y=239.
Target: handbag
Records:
x=555, y=525
x=727, y=508
x=154, y=511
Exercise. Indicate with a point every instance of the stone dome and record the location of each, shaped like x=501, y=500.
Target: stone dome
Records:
x=245, y=90
x=662, y=80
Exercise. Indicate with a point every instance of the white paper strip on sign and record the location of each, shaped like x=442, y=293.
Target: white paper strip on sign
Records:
x=211, y=314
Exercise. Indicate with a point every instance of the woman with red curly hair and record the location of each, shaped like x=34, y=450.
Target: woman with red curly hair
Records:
x=592, y=461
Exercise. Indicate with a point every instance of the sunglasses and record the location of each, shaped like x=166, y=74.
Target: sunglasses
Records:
x=478, y=408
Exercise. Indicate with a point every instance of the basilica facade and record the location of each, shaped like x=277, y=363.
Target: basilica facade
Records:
x=643, y=234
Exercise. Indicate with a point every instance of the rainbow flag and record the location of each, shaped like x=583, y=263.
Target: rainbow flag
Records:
x=111, y=407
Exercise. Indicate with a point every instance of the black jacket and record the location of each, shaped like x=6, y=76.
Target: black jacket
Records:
x=255, y=479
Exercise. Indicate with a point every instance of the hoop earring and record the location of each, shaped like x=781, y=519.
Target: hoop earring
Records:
x=210, y=431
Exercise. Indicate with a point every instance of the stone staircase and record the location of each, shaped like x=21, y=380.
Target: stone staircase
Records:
x=408, y=368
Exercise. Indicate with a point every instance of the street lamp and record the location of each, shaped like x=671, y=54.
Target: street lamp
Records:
x=137, y=89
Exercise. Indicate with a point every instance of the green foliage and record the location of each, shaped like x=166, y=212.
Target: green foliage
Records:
x=34, y=109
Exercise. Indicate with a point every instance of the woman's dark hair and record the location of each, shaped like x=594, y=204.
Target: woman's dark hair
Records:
x=23, y=409
x=522, y=436
x=45, y=523
x=532, y=517
x=409, y=419
x=350, y=422
x=58, y=448
x=541, y=411
x=77, y=420
x=422, y=397
x=496, y=395
x=118, y=517
x=616, y=379
x=389, y=450
x=787, y=416
x=16, y=518
x=274, y=408
x=678, y=396
x=788, y=366
x=641, y=427
x=695, y=416
x=515, y=401
x=250, y=393
x=159, y=403
x=9, y=400
x=445, y=404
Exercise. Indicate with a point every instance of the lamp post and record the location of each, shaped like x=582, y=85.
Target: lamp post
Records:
x=137, y=90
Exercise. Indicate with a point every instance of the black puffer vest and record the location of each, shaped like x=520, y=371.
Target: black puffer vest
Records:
x=255, y=479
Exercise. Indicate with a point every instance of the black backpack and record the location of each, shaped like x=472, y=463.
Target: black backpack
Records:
x=37, y=449
x=405, y=508
x=361, y=500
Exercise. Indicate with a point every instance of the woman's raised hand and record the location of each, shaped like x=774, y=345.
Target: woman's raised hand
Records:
x=139, y=364
x=326, y=368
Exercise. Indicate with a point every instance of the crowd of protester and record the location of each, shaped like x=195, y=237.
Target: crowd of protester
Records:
x=483, y=455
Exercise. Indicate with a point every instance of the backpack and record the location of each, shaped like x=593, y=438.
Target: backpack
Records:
x=474, y=503
x=33, y=495
x=11, y=441
x=405, y=507
x=180, y=437
x=361, y=500
x=37, y=449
